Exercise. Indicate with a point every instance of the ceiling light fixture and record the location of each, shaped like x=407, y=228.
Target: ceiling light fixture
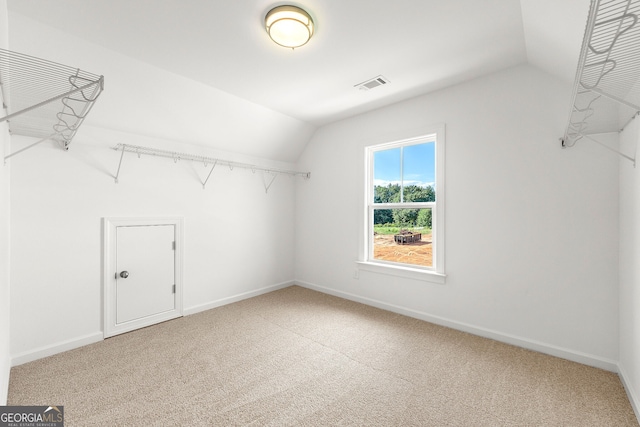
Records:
x=289, y=26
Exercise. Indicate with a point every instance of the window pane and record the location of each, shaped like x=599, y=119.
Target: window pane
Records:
x=419, y=172
x=386, y=176
x=403, y=235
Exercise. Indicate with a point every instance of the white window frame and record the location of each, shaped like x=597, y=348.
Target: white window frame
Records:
x=436, y=273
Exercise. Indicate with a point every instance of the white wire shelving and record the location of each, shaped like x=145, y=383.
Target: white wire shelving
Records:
x=606, y=94
x=268, y=174
x=44, y=99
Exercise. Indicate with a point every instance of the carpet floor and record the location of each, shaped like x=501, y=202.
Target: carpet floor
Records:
x=303, y=358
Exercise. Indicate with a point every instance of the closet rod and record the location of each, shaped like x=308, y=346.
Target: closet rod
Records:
x=140, y=150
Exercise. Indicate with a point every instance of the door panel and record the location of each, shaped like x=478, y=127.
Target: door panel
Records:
x=147, y=254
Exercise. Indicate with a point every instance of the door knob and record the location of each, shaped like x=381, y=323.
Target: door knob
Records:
x=124, y=274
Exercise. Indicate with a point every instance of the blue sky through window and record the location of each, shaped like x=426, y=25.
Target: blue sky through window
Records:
x=418, y=169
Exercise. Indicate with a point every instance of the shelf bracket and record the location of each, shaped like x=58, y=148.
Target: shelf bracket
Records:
x=119, y=165
x=578, y=136
x=55, y=98
x=606, y=90
x=210, y=172
x=29, y=146
x=44, y=99
x=613, y=98
x=267, y=185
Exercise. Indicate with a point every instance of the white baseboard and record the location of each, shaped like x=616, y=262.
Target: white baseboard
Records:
x=574, y=356
x=634, y=397
x=50, y=350
x=235, y=298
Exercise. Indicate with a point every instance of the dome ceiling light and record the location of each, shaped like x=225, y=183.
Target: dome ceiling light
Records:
x=289, y=26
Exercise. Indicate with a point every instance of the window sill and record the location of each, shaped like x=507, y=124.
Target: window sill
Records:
x=405, y=272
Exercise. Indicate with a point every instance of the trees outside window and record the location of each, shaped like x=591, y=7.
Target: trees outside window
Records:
x=403, y=199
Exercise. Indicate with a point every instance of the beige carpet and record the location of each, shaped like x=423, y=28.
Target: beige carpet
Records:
x=298, y=357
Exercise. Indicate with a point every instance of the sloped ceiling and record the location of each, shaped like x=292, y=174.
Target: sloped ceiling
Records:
x=553, y=31
x=419, y=45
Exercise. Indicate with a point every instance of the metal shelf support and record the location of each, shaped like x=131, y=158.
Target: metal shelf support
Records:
x=176, y=156
x=44, y=99
x=606, y=92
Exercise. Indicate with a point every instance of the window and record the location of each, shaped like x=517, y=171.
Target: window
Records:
x=405, y=200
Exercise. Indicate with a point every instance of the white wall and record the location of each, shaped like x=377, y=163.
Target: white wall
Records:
x=531, y=229
x=58, y=198
x=5, y=359
x=629, y=266
x=238, y=239
x=143, y=99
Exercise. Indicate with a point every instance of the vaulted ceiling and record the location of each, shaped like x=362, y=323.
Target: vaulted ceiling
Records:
x=418, y=45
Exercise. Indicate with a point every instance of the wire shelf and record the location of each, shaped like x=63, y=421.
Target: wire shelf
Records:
x=268, y=174
x=606, y=95
x=45, y=99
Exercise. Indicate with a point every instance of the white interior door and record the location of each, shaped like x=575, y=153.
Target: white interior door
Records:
x=142, y=273
x=145, y=271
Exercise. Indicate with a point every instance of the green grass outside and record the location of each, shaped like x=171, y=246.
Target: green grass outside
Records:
x=386, y=229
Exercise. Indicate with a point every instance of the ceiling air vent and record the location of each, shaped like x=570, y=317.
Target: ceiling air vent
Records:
x=372, y=83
